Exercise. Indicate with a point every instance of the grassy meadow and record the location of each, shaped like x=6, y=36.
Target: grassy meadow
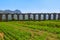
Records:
x=30, y=30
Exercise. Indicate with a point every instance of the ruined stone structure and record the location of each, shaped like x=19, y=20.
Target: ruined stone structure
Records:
x=29, y=16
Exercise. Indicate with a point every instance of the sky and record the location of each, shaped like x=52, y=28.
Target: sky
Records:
x=31, y=5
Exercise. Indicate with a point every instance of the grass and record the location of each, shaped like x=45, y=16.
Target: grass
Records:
x=31, y=30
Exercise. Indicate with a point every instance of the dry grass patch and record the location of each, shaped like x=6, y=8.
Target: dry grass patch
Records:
x=1, y=35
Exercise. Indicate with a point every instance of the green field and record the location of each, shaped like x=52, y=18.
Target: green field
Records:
x=31, y=30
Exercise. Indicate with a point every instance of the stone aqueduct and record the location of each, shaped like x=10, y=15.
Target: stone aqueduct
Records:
x=29, y=15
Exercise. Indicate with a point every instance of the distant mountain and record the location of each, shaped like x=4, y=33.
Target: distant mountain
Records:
x=1, y=11
x=9, y=11
x=17, y=11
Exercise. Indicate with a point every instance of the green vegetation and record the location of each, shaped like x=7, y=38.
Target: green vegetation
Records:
x=31, y=30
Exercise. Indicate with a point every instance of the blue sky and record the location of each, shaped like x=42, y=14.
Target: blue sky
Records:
x=31, y=5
